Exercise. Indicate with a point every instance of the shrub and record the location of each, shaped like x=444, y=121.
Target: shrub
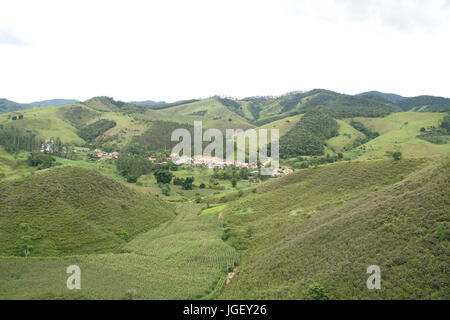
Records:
x=163, y=176
x=40, y=160
x=165, y=189
x=397, y=155
x=187, y=183
x=124, y=235
x=316, y=292
x=131, y=178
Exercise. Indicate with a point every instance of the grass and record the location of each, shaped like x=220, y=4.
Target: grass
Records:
x=346, y=138
x=182, y=259
x=216, y=115
x=328, y=224
x=216, y=209
x=13, y=166
x=74, y=210
x=398, y=132
x=46, y=122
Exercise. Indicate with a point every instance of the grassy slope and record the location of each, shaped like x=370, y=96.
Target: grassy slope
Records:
x=216, y=115
x=347, y=136
x=398, y=131
x=284, y=125
x=329, y=224
x=182, y=259
x=12, y=167
x=52, y=122
x=46, y=122
x=73, y=210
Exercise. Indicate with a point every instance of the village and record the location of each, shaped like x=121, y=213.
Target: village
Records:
x=197, y=161
x=217, y=162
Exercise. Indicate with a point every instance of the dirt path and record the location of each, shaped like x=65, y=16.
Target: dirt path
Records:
x=230, y=275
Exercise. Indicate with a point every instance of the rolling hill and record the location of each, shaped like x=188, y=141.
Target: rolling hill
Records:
x=11, y=106
x=53, y=103
x=326, y=225
x=398, y=132
x=72, y=210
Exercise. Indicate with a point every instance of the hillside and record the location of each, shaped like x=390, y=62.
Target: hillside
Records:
x=328, y=224
x=183, y=258
x=73, y=210
x=425, y=104
x=398, y=132
x=212, y=112
x=53, y=102
x=11, y=106
x=381, y=96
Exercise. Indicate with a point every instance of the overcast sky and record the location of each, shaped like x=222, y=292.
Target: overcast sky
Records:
x=178, y=49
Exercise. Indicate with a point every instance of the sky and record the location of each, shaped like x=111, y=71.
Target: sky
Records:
x=168, y=50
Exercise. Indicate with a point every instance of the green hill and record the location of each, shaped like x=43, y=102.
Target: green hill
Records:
x=398, y=132
x=73, y=210
x=425, y=104
x=11, y=106
x=53, y=103
x=183, y=258
x=212, y=112
x=326, y=225
x=382, y=97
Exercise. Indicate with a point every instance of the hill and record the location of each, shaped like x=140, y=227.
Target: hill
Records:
x=183, y=258
x=11, y=106
x=53, y=103
x=326, y=225
x=382, y=97
x=73, y=210
x=398, y=132
x=212, y=112
x=425, y=104
x=147, y=103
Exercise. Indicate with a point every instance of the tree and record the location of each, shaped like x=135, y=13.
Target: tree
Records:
x=397, y=155
x=163, y=176
x=317, y=292
x=187, y=183
x=42, y=161
x=131, y=178
x=165, y=190
x=202, y=185
x=234, y=183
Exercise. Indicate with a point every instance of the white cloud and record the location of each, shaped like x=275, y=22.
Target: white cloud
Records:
x=177, y=49
x=404, y=15
x=9, y=37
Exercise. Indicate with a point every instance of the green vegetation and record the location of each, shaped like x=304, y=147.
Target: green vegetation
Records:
x=94, y=130
x=370, y=187
x=309, y=135
x=163, y=176
x=349, y=216
x=181, y=259
x=157, y=137
x=132, y=165
x=15, y=139
x=437, y=135
x=73, y=210
x=40, y=160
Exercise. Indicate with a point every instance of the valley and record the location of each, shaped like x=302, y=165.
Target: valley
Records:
x=93, y=184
